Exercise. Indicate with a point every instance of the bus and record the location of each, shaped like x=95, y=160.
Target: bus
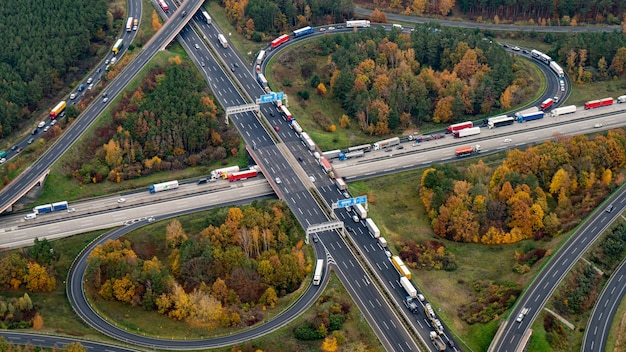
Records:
x=358, y=23
x=317, y=278
x=118, y=45
x=278, y=41
x=302, y=31
x=260, y=57
x=163, y=5
x=207, y=17
x=129, y=24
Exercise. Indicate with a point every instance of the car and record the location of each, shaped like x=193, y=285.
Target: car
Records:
x=197, y=46
x=31, y=140
x=90, y=86
x=322, y=29
x=89, y=80
x=41, y=124
x=46, y=128
x=356, y=218
x=525, y=51
x=516, y=48
x=105, y=100
x=300, y=159
x=105, y=94
x=400, y=147
x=609, y=209
x=315, y=239
x=562, y=88
x=346, y=195
x=183, y=14
x=311, y=178
x=421, y=297
x=278, y=181
x=71, y=210
x=388, y=253
x=134, y=28
x=276, y=128
x=505, y=45
x=438, y=327
x=3, y=160
x=113, y=60
x=34, y=131
x=556, y=99
x=81, y=88
x=19, y=150
x=151, y=219
x=331, y=28
x=121, y=200
x=236, y=64
x=520, y=317
x=272, y=114
x=202, y=64
x=597, y=125
x=15, y=146
x=72, y=96
x=507, y=140
x=106, y=62
x=99, y=69
x=203, y=181
x=339, y=26
x=232, y=68
x=388, y=150
x=53, y=122
x=62, y=114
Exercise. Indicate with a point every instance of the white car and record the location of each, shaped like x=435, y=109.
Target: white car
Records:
x=356, y=218
x=46, y=128
x=516, y=48
x=312, y=178
x=520, y=317
x=278, y=181
x=121, y=200
x=41, y=124
x=72, y=96
x=597, y=125
x=3, y=160
x=105, y=100
x=507, y=140
x=71, y=210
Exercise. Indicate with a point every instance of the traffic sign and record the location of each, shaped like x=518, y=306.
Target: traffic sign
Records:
x=280, y=95
x=345, y=203
x=268, y=98
x=361, y=200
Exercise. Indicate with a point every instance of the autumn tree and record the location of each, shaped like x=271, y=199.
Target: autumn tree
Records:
x=618, y=64
x=443, y=110
x=38, y=278
x=175, y=234
x=418, y=6
x=321, y=89
x=38, y=322
x=344, y=121
x=378, y=16
x=156, y=21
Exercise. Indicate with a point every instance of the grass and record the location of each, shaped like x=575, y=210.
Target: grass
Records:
x=398, y=212
x=597, y=90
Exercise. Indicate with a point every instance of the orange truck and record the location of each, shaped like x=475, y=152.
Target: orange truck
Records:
x=467, y=150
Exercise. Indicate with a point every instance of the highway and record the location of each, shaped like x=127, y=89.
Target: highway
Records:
x=599, y=324
x=48, y=341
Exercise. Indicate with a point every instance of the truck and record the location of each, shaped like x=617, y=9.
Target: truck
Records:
x=242, y=175
x=621, y=99
x=326, y=165
x=223, y=172
x=527, y=111
x=331, y=154
x=296, y=126
x=164, y=186
x=402, y=269
x=129, y=24
x=467, y=150
x=117, y=47
x=500, y=121
x=135, y=24
x=529, y=117
x=42, y=209
x=557, y=69
x=207, y=17
x=59, y=206
x=260, y=57
x=546, y=104
x=466, y=132
x=410, y=303
x=317, y=277
x=437, y=341
x=280, y=40
x=351, y=155
x=222, y=40
x=598, y=103
x=430, y=313
x=357, y=24
x=341, y=184
x=360, y=210
x=286, y=113
x=408, y=287
x=563, y=110
x=308, y=141
x=386, y=143
x=163, y=5
x=57, y=110
x=459, y=126
x=382, y=241
x=372, y=227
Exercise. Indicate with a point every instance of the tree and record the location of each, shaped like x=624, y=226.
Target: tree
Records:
x=175, y=234
x=445, y=6
x=378, y=16
x=418, y=6
x=220, y=290
x=618, y=64
x=37, y=322
x=443, y=110
x=269, y=297
x=329, y=344
x=74, y=347
x=124, y=289
x=344, y=121
x=321, y=89
x=38, y=278
x=156, y=22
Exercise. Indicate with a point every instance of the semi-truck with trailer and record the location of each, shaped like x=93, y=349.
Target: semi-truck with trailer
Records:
x=546, y=104
x=399, y=265
x=372, y=227
x=570, y=109
x=358, y=24
x=408, y=287
x=467, y=150
x=360, y=210
x=242, y=175
x=308, y=141
x=459, y=126
x=280, y=40
x=164, y=186
x=598, y=103
x=557, y=69
x=296, y=126
x=386, y=143
x=527, y=111
x=326, y=165
x=500, y=121
x=207, y=17
x=317, y=277
x=222, y=173
x=222, y=40
x=331, y=154
x=48, y=208
x=351, y=155
x=129, y=24
x=57, y=110
x=529, y=117
x=58, y=206
x=341, y=184
x=621, y=99
x=466, y=132
x=437, y=341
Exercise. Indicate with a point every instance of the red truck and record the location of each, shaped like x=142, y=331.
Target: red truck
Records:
x=459, y=126
x=598, y=103
x=547, y=103
x=242, y=175
x=278, y=41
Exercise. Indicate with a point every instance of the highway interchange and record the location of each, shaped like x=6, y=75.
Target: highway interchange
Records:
x=291, y=189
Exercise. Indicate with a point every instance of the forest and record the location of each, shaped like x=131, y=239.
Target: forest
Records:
x=386, y=80
x=169, y=122
x=545, y=12
x=242, y=262
x=542, y=191
x=259, y=19
x=44, y=46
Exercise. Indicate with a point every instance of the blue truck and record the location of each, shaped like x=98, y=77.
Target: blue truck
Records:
x=530, y=116
x=49, y=208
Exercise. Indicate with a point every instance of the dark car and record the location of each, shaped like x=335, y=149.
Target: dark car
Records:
x=31, y=140
x=203, y=181
x=609, y=209
x=272, y=114
x=14, y=147
x=19, y=150
x=184, y=13
x=34, y=131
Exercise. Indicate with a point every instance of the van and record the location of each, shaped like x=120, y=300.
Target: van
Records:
x=113, y=60
x=621, y=99
x=30, y=216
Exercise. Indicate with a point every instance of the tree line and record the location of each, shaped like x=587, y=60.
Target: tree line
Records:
x=43, y=44
x=544, y=190
x=170, y=121
x=241, y=263
x=386, y=80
